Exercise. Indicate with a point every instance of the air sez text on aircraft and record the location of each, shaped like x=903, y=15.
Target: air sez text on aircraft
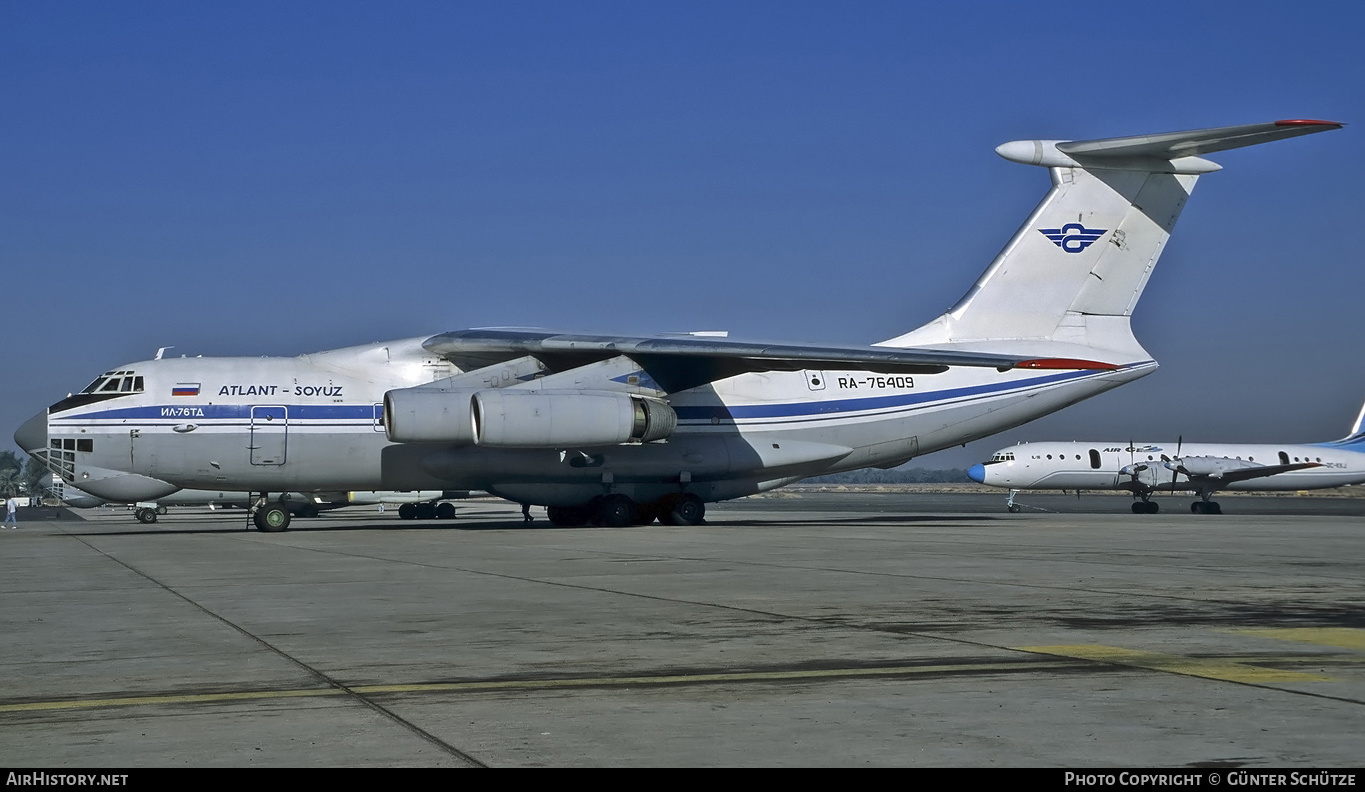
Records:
x=620, y=429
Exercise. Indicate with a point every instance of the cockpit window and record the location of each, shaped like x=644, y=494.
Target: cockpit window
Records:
x=115, y=382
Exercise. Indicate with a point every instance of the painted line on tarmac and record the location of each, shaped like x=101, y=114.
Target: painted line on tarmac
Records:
x=1342, y=637
x=548, y=684
x=135, y=701
x=1206, y=667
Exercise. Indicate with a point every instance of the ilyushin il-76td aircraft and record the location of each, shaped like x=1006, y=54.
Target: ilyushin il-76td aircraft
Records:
x=1146, y=469
x=617, y=430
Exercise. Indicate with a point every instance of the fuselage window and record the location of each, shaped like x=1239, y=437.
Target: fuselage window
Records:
x=85, y=444
x=1094, y=459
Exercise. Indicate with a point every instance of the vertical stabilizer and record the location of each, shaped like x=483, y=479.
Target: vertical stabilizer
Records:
x=1357, y=433
x=1074, y=271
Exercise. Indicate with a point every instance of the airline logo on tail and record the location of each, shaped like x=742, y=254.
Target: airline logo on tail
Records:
x=1073, y=237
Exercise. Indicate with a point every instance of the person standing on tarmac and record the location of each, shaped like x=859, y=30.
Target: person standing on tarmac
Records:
x=13, y=506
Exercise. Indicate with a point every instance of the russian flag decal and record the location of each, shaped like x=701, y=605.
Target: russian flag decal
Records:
x=185, y=389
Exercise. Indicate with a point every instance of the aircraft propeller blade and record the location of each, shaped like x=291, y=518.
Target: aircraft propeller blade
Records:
x=1175, y=471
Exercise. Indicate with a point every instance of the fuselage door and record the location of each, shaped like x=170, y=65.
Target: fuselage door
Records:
x=269, y=434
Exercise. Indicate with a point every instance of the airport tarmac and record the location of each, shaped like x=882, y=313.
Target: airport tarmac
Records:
x=798, y=629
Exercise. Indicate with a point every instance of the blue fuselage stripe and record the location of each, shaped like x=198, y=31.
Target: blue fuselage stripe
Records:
x=320, y=413
x=835, y=406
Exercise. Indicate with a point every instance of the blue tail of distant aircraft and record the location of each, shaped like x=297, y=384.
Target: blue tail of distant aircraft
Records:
x=1357, y=435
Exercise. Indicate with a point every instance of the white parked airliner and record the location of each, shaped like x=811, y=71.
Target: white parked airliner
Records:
x=618, y=429
x=1147, y=469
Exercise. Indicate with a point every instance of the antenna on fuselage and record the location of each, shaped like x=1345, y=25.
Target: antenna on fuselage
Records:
x=161, y=352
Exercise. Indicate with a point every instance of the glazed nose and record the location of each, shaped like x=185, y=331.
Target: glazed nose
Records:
x=32, y=435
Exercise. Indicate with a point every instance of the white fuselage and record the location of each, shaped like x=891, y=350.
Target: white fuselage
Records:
x=315, y=422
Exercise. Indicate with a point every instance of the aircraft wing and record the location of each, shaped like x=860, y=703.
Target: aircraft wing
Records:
x=1227, y=471
x=677, y=364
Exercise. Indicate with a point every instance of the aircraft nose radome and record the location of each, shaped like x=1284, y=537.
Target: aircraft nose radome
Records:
x=32, y=435
x=977, y=473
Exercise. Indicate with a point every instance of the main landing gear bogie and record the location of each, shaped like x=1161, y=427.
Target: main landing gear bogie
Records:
x=426, y=511
x=619, y=511
x=1146, y=507
x=1205, y=507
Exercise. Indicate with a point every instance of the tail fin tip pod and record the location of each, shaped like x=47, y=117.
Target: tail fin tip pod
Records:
x=1066, y=283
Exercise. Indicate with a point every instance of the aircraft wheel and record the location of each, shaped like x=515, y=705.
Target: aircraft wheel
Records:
x=1213, y=508
x=616, y=511
x=145, y=516
x=407, y=512
x=1014, y=508
x=272, y=518
x=686, y=509
x=160, y=509
x=1197, y=507
x=445, y=511
x=1153, y=507
x=1139, y=507
x=426, y=511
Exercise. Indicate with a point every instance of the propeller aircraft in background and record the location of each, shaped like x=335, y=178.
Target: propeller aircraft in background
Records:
x=1151, y=468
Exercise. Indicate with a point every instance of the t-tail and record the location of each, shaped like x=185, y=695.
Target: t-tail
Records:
x=1066, y=284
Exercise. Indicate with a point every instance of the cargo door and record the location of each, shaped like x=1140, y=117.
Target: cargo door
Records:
x=269, y=434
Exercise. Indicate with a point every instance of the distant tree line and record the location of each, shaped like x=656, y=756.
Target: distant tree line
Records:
x=894, y=476
x=21, y=478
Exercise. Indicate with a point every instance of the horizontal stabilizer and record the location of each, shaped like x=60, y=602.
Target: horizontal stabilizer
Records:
x=1194, y=143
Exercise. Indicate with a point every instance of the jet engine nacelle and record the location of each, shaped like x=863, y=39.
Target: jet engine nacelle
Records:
x=558, y=419
x=428, y=415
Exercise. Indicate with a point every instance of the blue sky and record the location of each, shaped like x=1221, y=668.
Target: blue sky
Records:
x=278, y=178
